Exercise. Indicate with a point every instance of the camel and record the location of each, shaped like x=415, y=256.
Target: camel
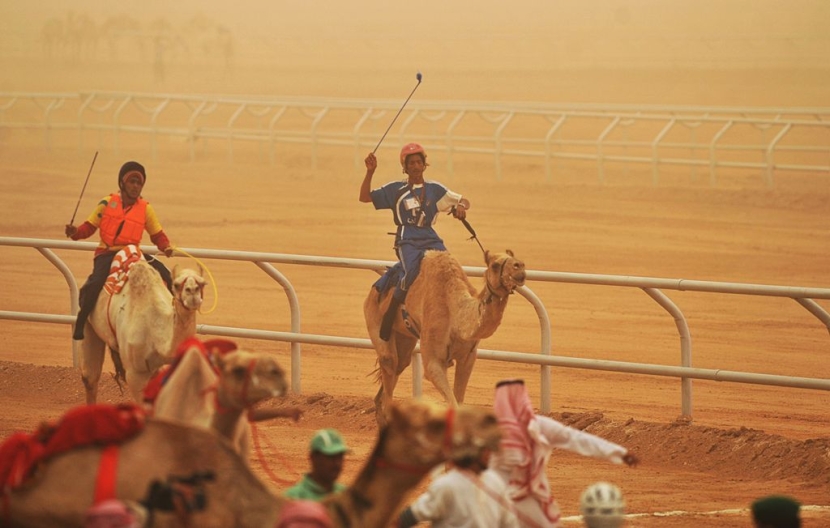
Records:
x=444, y=311
x=214, y=386
x=143, y=325
x=418, y=436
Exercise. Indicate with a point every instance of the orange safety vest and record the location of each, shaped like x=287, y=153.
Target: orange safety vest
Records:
x=119, y=227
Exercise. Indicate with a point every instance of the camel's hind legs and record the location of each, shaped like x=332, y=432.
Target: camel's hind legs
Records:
x=92, y=363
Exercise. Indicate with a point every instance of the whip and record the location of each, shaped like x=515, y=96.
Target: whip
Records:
x=418, y=76
x=84, y=187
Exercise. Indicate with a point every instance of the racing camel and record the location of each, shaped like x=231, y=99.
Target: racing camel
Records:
x=215, y=385
x=142, y=324
x=449, y=317
x=418, y=436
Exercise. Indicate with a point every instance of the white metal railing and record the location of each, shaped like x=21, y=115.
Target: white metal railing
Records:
x=764, y=140
x=652, y=286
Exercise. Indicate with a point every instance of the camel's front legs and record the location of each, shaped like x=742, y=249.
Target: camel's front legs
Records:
x=92, y=363
x=463, y=369
x=435, y=370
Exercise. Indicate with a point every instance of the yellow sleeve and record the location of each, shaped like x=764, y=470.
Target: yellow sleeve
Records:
x=151, y=221
x=97, y=213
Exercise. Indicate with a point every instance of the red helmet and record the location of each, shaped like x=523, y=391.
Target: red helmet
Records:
x=412, y=148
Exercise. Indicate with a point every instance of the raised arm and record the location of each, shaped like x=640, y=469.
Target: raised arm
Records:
x=366, y=187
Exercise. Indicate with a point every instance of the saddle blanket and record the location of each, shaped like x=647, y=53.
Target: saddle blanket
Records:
x=121, y=263
x=84, y=425
x=209, y=350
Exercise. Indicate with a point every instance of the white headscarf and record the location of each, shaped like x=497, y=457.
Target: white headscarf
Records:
x=523, y=446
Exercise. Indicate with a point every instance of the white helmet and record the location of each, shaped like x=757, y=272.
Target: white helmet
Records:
x=602, y=505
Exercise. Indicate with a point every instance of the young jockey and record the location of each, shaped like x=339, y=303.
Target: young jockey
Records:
x=415, y=204
x=122, y=218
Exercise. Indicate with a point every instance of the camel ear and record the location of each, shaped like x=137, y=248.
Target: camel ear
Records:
x=201, y=270
x=510, y=252
x=487, y=256
x=175, y=271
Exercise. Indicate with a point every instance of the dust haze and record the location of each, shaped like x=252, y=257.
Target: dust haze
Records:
x=706, y=52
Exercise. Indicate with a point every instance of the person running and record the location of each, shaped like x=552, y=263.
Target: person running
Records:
x=122, y=218
x=415, y=204
x=527, y=441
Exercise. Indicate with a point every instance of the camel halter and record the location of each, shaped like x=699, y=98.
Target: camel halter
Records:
x=177, y=249
x=491, y=290
x=243, y=393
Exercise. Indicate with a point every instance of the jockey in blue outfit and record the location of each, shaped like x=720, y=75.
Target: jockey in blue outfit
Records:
x=415, y=204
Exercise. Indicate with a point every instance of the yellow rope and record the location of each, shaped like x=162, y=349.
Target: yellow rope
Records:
x=210, y=278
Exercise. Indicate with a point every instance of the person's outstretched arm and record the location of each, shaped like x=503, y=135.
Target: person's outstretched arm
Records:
x=366, y=187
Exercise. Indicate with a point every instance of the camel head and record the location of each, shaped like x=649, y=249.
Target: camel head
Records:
x=246, y=378
x=504, y=273
x=189, y=287
x=422, y=434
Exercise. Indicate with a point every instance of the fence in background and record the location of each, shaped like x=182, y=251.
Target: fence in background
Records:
x=651, y=286
x=764, y=140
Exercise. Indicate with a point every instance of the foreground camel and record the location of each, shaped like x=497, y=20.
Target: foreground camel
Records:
x=215, y=385
x=418, y=436
x=143, y=325
x=450, y=317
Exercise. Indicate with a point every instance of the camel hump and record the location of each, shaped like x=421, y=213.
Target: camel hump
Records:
x=142, y=277
x=441, y=263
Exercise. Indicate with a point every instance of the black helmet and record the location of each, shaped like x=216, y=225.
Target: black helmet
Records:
x=130, y=166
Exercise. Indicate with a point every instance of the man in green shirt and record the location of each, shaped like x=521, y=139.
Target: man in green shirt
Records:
x=326, y=455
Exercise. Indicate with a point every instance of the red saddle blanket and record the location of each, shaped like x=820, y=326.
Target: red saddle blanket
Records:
x=89, y=424
x=209, y=349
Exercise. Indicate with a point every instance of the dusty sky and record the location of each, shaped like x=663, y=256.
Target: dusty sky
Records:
x=340, y=48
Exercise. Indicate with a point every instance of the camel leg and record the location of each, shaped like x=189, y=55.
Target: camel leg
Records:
x=92, y=363
x=435, y=366
x=463, y=369
x=388, y=373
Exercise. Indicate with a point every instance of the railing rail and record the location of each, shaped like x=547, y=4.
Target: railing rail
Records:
x=763, y=140
x=651, y=286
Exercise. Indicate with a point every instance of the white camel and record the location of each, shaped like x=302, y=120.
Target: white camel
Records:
x=143, y=325
x=215, y=385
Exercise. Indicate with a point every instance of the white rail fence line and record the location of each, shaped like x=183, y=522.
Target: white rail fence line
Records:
x=759, y=139
x=652, y=286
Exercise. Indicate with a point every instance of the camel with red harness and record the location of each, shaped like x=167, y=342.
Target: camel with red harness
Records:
x=58, y=490
x=140, y=320
x=214, y=385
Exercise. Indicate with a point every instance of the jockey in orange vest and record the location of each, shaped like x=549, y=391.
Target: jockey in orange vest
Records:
x=122, y=218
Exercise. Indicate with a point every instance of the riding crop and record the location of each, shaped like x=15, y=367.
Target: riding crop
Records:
x=84, y=187
x=418, y=76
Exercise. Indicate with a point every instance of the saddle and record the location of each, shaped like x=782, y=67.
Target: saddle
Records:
x=98, y=424
x=121, y=264
x=209, y=349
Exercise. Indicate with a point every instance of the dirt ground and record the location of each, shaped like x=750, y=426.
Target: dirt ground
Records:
x=744, y=441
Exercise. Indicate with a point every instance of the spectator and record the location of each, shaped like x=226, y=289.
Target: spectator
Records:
x=326, y=454
x=526, y=446
x=468, y=495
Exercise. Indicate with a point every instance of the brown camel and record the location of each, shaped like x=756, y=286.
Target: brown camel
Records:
x=143, y=325
x=417, y=437
x=450, y=317
x=218, y=392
